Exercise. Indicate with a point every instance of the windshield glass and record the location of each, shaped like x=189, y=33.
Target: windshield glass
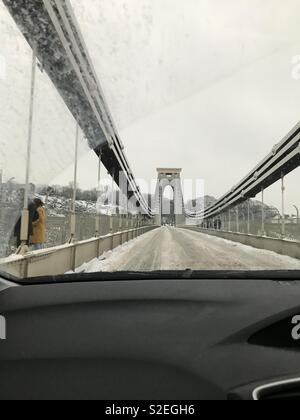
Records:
x=146, y=135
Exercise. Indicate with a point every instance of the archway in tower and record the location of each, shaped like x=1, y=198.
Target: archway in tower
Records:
x=168, y=206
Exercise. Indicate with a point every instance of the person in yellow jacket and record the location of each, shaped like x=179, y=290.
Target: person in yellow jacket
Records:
x=39, y=227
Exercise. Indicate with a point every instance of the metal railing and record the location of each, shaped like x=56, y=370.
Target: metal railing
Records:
x=69, y=257
x=284, y=158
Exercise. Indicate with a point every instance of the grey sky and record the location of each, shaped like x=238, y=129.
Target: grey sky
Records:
x=205, y=85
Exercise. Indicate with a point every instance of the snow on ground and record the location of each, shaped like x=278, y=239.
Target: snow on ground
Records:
x=179, y=249
x=108, y=260
x=269, y=256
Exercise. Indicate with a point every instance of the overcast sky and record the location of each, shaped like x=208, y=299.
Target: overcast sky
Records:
x=205, y=85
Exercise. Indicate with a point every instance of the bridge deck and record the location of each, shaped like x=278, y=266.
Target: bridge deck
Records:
x=179, y=249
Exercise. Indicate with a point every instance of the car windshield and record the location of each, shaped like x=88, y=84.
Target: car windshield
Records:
x=149, y=135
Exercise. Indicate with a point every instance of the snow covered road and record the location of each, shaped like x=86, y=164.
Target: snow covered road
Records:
x=179, y=249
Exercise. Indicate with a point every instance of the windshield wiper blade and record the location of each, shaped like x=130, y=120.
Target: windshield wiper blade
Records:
x=281, y=276
x=8, y=277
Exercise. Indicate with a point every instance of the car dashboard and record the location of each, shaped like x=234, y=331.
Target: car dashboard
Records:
x=158, y=339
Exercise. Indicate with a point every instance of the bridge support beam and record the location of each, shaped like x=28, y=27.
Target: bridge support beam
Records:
x=248, y=216
x=98, y=213
x=263, y=231
x=73, y=210
x=283, y=204
x=229, y=220
x=24, y=234
x=237, y=219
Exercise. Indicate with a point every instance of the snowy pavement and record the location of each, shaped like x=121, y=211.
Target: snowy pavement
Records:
x=179, y=249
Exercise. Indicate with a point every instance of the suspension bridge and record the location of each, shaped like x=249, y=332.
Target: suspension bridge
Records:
x=58, y=47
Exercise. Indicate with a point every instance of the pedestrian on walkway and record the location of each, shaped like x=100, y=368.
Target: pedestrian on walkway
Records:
x=33, y=216
x=39, y=227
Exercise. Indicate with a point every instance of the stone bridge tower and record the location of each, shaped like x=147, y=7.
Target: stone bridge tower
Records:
x=169, y=177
